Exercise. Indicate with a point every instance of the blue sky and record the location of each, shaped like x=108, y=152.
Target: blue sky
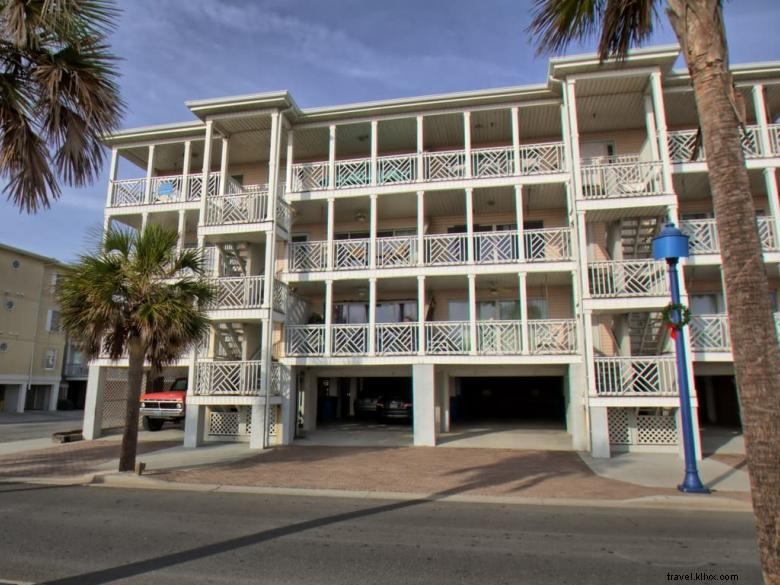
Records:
x=324, y=53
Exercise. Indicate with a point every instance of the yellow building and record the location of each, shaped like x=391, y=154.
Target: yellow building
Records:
x=31, y=341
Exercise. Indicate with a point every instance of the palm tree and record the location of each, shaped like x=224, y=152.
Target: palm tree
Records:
x=131, y=299
x=699, y=27
x=58, y=95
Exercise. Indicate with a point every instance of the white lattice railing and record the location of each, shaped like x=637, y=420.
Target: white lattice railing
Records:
x=127, y=192
x=681, y=144
x=310, y=176
x=280, y=297
x=542, y=159
x=622, y=178
x=499, y=337
x=167, y=189
x=444, y=166
x=214, y=378
x=751, y=141
x=353, y=173
x=237, y=292
x=445, y=249
x=496, y=247
x=635, y=376
x=396, y=338
x=304, y=340
x=774, y=139
x=283, y=214
x=627, y=278
x=396, y=169
x=766, y=233
x=547, y=245
x=777, y=326
x=552, y=336
x=350, y=254
x=349, y=339
x=308, y=256
x=493, y=162
x=447, y=337
x=703, y=235
x=247, y=207
x=196, y=185
x=280, y=378
x=710, y=332
x=396, y=251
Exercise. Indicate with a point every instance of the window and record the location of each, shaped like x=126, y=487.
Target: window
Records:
x=350, y=313
x=16, y=264
x=10, y=305
x=696, y=215
x=706, y=304
x=396, y=312
x=299, y=238
x=498, y=310
x=537, y=308
x=3, y=347
x=457, y=310
x=50, y=359
x=238, y=179
x=53, y=321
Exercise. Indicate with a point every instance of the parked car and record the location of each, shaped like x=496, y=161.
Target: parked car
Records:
x=395, y=405
x=365, y=405
x=157, y=407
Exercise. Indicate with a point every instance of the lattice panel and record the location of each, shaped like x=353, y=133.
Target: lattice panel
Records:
x=310, y=176
x=766, y=233
x=542, y=159
x=656, y=429
x=447, y=337
x=280, y=379
x=128, y=192
x=305, y=340
x=353, y=173
x=232, y=209
x=624, y=179
x=351, y=254
x=274, y=420
x=710, y=333
x=281, y=294
x=702, y=234
x=681, y=146
x=246, y=411
x=237, y=292
x=495, y=247
x=350, y=340
x=547, y=245
x=223, y=423
x=635, y=375
x=751, y=142
x=620, y=422
x=307, y=256
x=166, y=189
x=283, y=214
x=115, y=391
x=445, y=249
x=492, y=162
x=553, y=336
x=499, y=337
x=627, y=278
x=397, y=169
x=397, y=339
x=398, y=251
x=442, y=166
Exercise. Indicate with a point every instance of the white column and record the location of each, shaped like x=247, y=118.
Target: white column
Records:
x=112, y=170
x=269, y=272
x=582, y=247
x=204, y=188
x=519, y=220
x=144, y=219
x=467, y=142
x=195, y=425
x=472, y=278
x=93, y=404
x=257, y=438
x=420, y=148
x=332, y=156
x=515, y=112
x=573, y=138
x=420, y=228
x=223, y=166
x=374, y=150
x=330, y=230
x=149, y=174
x=576, y=419
x=657, y=93
x=444, y=420
x=759, y=105
x=652, y=130
x=328, y=317
x=185, y=170
x=421, y=315
x=371, y=316
x=372, y=232
x=770, y=179
x=522, y=284
x=424, y=412
x=470, y=225
x=54, y=396
x=288, y=186
x=182, y=228
x=599, y=432
x=289, y=408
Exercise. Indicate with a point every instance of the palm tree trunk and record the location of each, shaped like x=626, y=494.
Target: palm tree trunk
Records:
x=135, y=373
x=699, y=28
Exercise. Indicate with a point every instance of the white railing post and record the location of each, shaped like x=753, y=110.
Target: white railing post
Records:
x=519, y=220
x=421, y=315
x=470, y=225
x=472, y=278
x=330, y=229
x=420, y=228
x=372, y=316
x=181, y=227
x=149, y=173
x=374, y=150
x=467, y=143
x=770, y=180
x=372, y=232
x=204, y=186
x=515, y=113
x=223, y=167
x=332, y=156
x=525, y=346
x=112, y=171
x=328, y=317
x=652, y=130
x=185, y=171
x=288, y=170
x=759, y=106
x=657, y=93
x=420, y=148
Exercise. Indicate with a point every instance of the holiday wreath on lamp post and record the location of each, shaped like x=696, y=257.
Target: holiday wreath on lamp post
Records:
x=668, y=315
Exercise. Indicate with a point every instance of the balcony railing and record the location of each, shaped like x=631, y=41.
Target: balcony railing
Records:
x=681, y=144
x=166, y=189
x=281, y=296
x=710, y=332
x=349, y=339
x=704, y=235
x=627, y=278
x=248, y=206
x=221, y=378
x=624, y=176
x=545, y=245
x=237, y=292
x=76, y=370
x=635, y=376
x=499, y=337
x=396, y=338
x=449, y=165
x=554, y=336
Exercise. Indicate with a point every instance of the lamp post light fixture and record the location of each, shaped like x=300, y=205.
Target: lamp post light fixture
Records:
x=671, y=245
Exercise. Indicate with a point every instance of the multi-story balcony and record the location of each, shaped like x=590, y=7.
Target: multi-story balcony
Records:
x=237, y=292
x=649, y=376
x=618, y=177
x=167, y=189
x=451, y=165
x=545, y=337
x=710, y=333
x=703, y=235
x=627, y=278
x=682, y=142
x=544, y=245
x=236, y=378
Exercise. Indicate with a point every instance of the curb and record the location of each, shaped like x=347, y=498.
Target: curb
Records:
x=689, y=502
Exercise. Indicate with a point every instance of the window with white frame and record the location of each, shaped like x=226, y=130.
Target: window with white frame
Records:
x=50, y=359
x=53, y=321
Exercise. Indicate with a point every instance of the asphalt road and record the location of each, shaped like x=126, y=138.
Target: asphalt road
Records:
x=38, y=424
x=85, y=535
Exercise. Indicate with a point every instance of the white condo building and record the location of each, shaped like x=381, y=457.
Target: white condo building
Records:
x=487, y=252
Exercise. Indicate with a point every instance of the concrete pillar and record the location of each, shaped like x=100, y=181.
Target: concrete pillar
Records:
x=289, y=410
x=424, y=405
x=575, y=389
x=444, y=419
x=257, y=437
x=194, y=425
x=93, y=405
x=54, y=396
x=15, y=396
x=309, y=401
x=599, y=432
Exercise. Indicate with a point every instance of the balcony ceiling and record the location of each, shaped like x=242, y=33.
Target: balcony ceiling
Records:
x=607, y=112
x=691, y=186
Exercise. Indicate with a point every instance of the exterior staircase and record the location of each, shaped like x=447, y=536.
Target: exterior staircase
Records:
x=234, y=257
x=230, y=340
x=637, y=234
x=647, y=333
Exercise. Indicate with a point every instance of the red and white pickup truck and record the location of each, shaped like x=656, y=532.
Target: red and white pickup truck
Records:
x=157, y=407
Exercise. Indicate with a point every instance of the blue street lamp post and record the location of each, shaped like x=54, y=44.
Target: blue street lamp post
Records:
x=671, y=245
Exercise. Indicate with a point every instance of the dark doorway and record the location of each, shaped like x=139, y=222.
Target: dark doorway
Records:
x=718, y=401
x=77, y=393
x=508, y=399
